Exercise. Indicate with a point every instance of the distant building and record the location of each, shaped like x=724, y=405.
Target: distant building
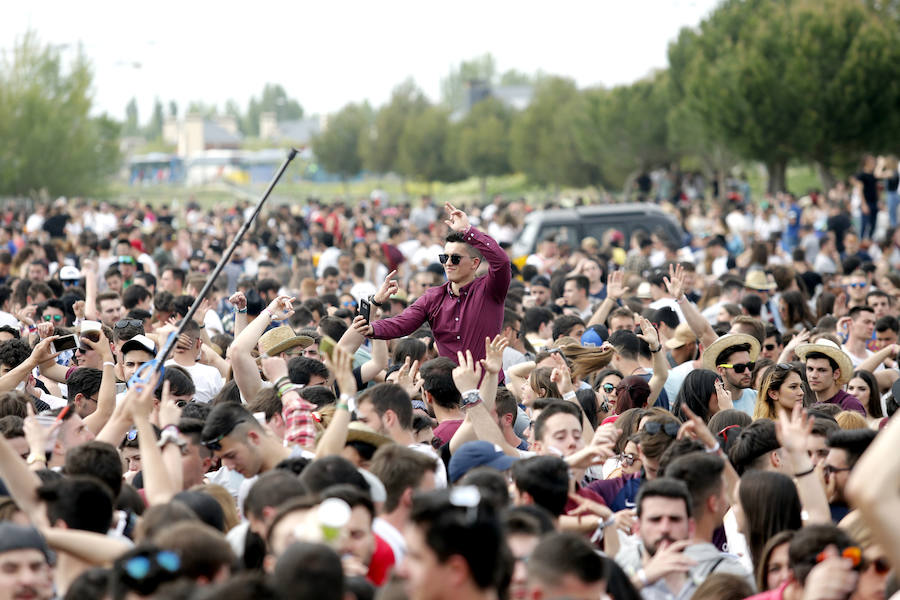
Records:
x=517, y=97
x=299, y=132
x=197, y=134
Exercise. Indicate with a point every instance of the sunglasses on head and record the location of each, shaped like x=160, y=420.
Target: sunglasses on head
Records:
x=215, y=444
x=724, y=433
x=56, y=318
x=738, y=367
x=654, y=427
x=453, y=258
x=139, y=567
x=131, y=435
x=123, y=323
x=852, y=553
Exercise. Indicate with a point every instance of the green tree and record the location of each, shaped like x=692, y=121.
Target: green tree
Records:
x=132, y=124
x=776, y=80
x=173, y=108
x=155, y=127
x=422, y=147
x=380, y=147
x=479, y=143
x=198, y=107
x=337, y=148
x=48, y=138
x=542, y=137
x=274, y=99
x=455, y=86
x=514, y=77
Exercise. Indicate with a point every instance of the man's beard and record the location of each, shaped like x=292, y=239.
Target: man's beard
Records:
x=652, y=549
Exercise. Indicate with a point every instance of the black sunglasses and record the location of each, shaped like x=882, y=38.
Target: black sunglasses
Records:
x=769, y=347
x=454, y=258
x=739, y=367
x=654, y=427
x=609, y=388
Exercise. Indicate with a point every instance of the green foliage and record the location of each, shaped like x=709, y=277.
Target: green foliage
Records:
x=48, y=139
x=454, y=87
x=380, y=148
x=132, y=124
x=422, y=147
x=155, y=127
x=479, y=143
x=274, y=99
x=543, y=137
x=337, y=148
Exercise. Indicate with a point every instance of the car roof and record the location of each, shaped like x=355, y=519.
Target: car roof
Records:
x=598, y=210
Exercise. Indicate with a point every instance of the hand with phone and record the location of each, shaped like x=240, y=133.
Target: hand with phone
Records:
x=361, y=326
x=365, y=309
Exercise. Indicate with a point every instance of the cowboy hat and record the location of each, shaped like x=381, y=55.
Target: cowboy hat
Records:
x=832, y=351
x=757, y=280
x=711, y=354
x=683, y=335
x=277, y=340
x=359, y=432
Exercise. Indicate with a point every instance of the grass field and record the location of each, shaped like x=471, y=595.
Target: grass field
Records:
x=800, y=179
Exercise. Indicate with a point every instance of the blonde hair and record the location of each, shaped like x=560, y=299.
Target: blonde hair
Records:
x=587, y=360
x=225, y=500
x=848, y=419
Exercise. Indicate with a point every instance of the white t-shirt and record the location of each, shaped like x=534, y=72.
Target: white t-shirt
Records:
x=208, y=381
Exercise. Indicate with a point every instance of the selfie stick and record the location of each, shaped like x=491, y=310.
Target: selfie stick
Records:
x=146, y=371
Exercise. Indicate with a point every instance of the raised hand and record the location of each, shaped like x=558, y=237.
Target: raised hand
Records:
x=406, y=377
x=388, y=288
x=42, y=351
x=615, y=285
x=467, y=375
x=649, y=334
x=281, y=308
x=675, y=281
x=44, y=330
x=274, y=368
x=493, y=354
x=361, y=326
x=140, y=398
x=238, y=300
x=169, y=412
x=26, y=315
x=561, y=375
x=78, y=309
x=36, y=434
x=800, y=338
x=341, y=365
x=793, y=430
x=456, y=219
x=696, y=429
x=101, y=346
x=669, y=558
x=723, y=396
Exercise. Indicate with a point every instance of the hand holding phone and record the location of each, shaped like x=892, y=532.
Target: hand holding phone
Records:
x=365, y=309
x=66, y=342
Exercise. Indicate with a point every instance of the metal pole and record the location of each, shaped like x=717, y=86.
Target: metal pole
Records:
x=167, y=347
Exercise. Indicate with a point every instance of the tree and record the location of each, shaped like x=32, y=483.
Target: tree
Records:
x=173, y=108
x=337, y=148
x=455, y=86
x=48, y=138
x=380, y=147
x=155, y=127
x=132, y=124
x=776, y=80
x=542, y=137
x=422, y=147
x=274, y=99
x=479, y=143
x=204, y=109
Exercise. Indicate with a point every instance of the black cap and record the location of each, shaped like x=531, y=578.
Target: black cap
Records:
x=22, y=537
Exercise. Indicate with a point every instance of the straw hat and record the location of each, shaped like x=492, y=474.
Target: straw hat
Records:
x=832, y=351
x=359, y=432
x=277, y=340
x=727, y=341
x=757, y=280
x=683, y=335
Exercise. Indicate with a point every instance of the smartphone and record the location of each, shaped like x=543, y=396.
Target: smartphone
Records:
x=365, y=309
x=66, y=342
x=326, y=346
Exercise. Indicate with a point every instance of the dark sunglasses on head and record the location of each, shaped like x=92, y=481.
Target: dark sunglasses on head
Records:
x=56, y=318
x=454, y=258
x=654, y=427
x=739, y=367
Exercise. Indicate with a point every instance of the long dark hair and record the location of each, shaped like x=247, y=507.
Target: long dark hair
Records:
x=632, y=392
x=798, y=312
x=698, y=387
x=874, y=404
x=771, y=504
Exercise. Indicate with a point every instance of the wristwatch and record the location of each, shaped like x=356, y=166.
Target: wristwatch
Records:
x=470, y=399
x=169, y=435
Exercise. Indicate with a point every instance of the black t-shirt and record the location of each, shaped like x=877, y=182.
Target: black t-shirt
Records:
x=56, y=225
x=892, y=183
x=870, y=187
x=839, y=224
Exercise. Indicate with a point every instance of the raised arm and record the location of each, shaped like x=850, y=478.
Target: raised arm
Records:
x=500, y=273
x=106, y=397
x=159, y=485
x=660, y=365
x=21, y=482
x=40, y=354
x=792, y=433
x=615, y=289
x=700, y=326
x=245, y=371
x=89, y=268
x=478, y=423
x=239, y=302
x=335, y=437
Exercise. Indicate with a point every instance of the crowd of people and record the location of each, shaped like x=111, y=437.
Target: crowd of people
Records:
x=379, y=401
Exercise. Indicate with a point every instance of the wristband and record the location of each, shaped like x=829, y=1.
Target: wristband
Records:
x=658, y=348
x=681, y=299
x=804, y=473
x=569, y=396
x=112, y=364
x=714, y=449
x=375, y=302
x=342, y=405
x=270, y=313
x=467, y=392
x=642, y=577
x=240, y=310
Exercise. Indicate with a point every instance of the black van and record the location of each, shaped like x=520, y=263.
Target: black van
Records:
x=571, y=225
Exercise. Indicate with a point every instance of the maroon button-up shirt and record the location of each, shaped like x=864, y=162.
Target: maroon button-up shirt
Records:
x=459, y=322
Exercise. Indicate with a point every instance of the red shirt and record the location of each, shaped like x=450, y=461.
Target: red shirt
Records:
x=459, y=322
x=445, y=430
x=381, y=563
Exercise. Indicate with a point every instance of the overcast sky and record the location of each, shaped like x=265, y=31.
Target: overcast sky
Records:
x=327, y=54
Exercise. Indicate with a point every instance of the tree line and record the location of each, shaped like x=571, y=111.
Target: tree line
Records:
x=767, y=81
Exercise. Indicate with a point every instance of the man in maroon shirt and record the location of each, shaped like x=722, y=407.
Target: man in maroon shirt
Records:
x=465, y=310
x=828, y=368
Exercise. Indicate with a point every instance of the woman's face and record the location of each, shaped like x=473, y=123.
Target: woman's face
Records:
x=857, y=387
x=724, y=316
x=591, y=270
x=790, y=393
x=631, y=455
x=360, y=250
x=608, y=390
x=527, y=393
x=777, y=570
